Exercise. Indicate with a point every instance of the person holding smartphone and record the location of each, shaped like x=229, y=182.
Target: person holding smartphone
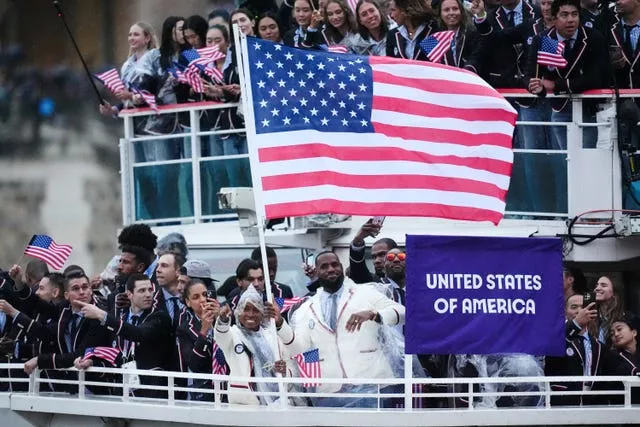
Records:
x=195, y=335
x=359, y=271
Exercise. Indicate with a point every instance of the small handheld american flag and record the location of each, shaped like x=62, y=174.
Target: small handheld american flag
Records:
x=46, y=249
x=111, y=80
x=148, y=97
x=286, y=303
x=219, y=363
x=212, y=53
x=309, y=366
x=437, y=45
x=108, y=354
x=198, y=63
x=550, y=53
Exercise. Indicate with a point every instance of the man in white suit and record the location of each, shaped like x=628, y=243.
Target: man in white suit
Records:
x=342, y=322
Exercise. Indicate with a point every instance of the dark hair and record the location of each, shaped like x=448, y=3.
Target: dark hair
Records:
x=57, y=280
x=416, y=11
x=557, y=4
x=384, y=23
x=242, y=272
x=332, y=33
x=138, y=235
x=318, y=255
x=268, y=14
x=243, y=10
x=36, y=269
x=142, y=255
x=256, y=254
x=579, y=285
x=222, y=13
x=167, y=43
x=190, y=284
x=74, y=274
x=72, y=269
x=222, y=29
x=178, y=260
x=136, y=277
x=198, y=25
x=391, y=244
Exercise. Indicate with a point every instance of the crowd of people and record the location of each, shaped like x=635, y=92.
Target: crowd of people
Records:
x=498, y=40
x=156, y=308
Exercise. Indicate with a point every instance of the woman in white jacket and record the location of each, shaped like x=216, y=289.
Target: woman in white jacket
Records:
x=248, y=349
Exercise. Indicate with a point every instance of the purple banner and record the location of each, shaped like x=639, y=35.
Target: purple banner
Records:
x=484, y=295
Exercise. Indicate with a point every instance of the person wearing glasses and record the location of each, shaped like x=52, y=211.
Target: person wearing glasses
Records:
x=394, y=268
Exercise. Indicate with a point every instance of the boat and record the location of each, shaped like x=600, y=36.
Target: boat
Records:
x=219, y=225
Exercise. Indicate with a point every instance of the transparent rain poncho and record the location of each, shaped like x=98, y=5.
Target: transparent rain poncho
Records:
x=500, y=366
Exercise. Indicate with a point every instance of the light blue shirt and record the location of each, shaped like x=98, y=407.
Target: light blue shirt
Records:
x=517, y=16
x=573, y=38
x=410, y=45
x=635, y=32
x=169, y=303
x=325, y=302
x=588, y=355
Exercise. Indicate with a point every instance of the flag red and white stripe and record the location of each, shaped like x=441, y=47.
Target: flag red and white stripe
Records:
x=192, y=74
x=439, y=144
x=149, y=98
x=111, y=80
x=309, y=367
x=352, y=5
x=46, y=249
x=337, y=48
x=212, y=53
x=219, y=362
x=212, y=71
x=285, y=304
x=444, y=44
x=108, y=354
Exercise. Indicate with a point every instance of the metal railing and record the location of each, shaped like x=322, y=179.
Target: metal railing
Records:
x=403, y=396
x=198, y=202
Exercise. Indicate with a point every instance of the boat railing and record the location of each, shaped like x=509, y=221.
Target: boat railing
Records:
x=174, y=178
x=391, y=397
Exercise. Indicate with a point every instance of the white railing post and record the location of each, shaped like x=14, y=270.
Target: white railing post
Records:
x=127, y=159
x=574, y=142
x=627, y=394
x=194, y=122
x=547, y=395
x=470, y=384
x=408, y=382
x=217, y=396
x=81, y=386
x=34, y=385
x=171, y=389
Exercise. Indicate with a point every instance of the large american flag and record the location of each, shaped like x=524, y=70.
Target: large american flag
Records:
x=550, y=53
x=111, y=80
x=309, y=366
x=437, y=45
x=376, y=136
x=108, y=354
x=219, y=363
x=46, y=249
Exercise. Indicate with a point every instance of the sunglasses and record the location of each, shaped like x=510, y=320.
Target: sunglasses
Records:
x=401, y=256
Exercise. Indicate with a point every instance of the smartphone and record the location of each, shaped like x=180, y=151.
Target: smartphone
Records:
x=311, y=260
x=211, y=294
x=378, y=220
x=589, y=297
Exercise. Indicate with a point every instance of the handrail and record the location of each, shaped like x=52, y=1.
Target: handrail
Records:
x=507, y=93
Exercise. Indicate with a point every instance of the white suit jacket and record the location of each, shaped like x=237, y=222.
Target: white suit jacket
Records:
x=233, y=345
x=344, y=354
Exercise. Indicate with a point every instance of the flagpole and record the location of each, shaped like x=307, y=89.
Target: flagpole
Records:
x=58, y=7
x=240, y=42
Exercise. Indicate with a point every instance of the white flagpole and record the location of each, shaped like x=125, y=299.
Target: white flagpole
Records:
x=244, y=72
